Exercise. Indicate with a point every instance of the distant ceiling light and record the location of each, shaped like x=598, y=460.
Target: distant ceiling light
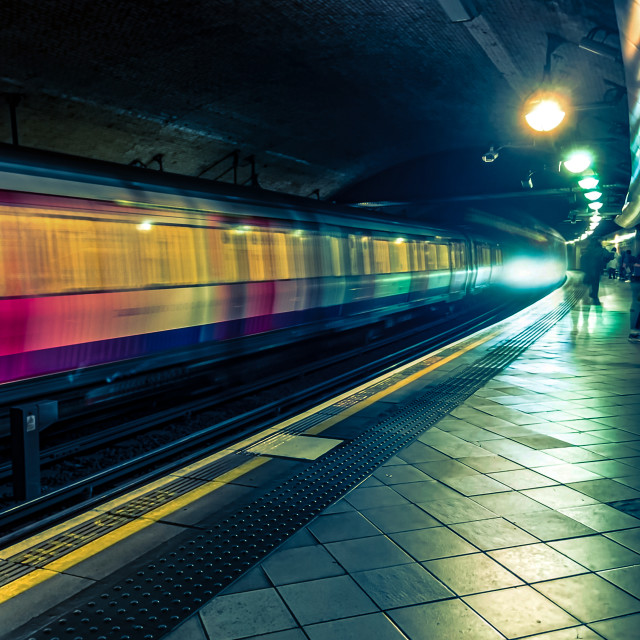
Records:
x=544, y=112
x=595, y=205
x=399, y=240
x=578, y=161
x=592, y=195
x=590, y=182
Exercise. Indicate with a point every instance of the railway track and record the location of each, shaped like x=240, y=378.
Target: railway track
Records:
x=82, y=492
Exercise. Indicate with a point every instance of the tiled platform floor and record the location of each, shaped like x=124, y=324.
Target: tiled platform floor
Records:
x=529, y=531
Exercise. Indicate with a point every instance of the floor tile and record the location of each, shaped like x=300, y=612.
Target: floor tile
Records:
x=520, y=611
x=374, y=497
x=596, y=552
x=400, y=473
x=627, y=578
x=475, y=485
x=610, y=468
x=420, y=452
x=630, y=538
x=250, y=581
x=251, y=613
x=568, y=473
x=342, y=526
x=573, y=454
x=472, y=574
x=401, y=586
x=373, y=625
x=522, y=479
x=612, y=450
x=429, y=544
x=550, y=525
x=303, y=447
x=327, y=599
x=601, y=517
x=403, y=517
x=301, y=538
x=505, y=504
x=493, y=534
x=488, y=464
x=300, y=565
x=453, y=510
x=444, y=620
x=536, y=562
x=368, y=553
x=539, y=442
x=425, y=491
x=605, y=490
x=559, y=496
x=573, y=633
x=589, y=597
x=190, y=629
x=450, y=445
x=444, y=468
x=618, y=628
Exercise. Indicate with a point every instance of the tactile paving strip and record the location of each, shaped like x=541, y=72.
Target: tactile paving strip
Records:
x=150, y=603
x=10, y=571
x=60, y=545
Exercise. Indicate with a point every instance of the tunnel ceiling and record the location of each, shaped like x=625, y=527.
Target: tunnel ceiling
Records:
x=359, y=100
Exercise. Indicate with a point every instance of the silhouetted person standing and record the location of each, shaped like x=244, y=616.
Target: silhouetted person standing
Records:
x=593, y=262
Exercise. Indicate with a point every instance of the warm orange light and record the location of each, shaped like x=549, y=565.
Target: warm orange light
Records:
x=544, y=111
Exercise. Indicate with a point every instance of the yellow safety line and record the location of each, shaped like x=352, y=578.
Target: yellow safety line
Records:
x=90, y=549
x=319, y=428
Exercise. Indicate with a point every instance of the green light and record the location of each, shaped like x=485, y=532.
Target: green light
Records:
x=578, y=161
x=592, y=195
x=590, y=182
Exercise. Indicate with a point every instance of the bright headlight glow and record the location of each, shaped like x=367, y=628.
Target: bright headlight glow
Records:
x=144, y=226
x=578, y=161
x=592, y=195
x=530, y=273
x=589, y=182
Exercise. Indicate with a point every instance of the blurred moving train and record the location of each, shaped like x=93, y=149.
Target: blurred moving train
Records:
x=110, y=270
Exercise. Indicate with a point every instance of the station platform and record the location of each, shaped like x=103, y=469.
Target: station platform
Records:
x=509, y=512
x=513, y=517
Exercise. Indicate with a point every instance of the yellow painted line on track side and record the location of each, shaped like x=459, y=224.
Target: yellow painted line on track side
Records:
x=319, y=428
x=90, y=549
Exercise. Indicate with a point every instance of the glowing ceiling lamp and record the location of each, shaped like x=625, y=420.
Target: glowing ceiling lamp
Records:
x=595, y=205
x=592, y=195
x=144, y=226
x=590, y=182
x=544, y=114
x=578, y=161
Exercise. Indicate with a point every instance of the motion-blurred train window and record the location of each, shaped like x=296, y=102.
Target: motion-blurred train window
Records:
x=399, y=258
x=381, y=255
x=443, y=256
x=337, y=245
x=280, y=256
x=432, y=257
x=255, y=255
x=416, y=258
x=297, y=249
x=230, y=271
x=239, y=239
